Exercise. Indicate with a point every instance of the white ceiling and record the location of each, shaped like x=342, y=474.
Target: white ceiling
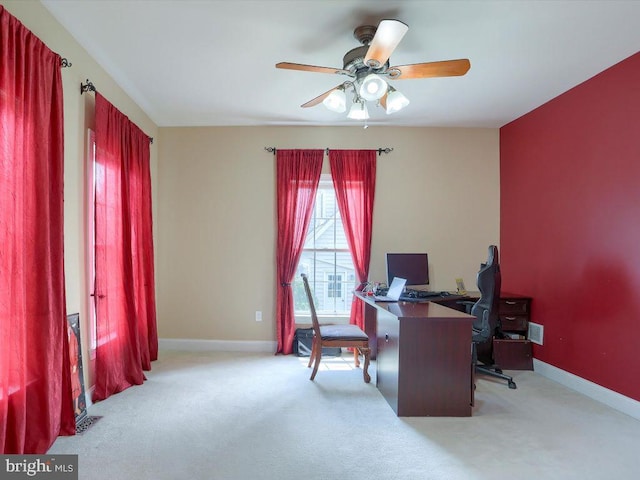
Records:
x=211, y=63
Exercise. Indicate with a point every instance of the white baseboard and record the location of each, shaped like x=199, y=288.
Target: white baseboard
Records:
x=613, y=399
x=191, y=345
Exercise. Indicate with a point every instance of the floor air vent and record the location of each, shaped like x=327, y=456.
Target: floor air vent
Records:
x=536, y=333
x=86, y=423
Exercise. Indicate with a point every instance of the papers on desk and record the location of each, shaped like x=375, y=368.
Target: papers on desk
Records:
x=514, y=336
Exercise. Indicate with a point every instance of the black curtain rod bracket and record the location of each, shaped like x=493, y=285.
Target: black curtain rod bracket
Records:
x=64, y=63
x=87, y=87
x=270, y=149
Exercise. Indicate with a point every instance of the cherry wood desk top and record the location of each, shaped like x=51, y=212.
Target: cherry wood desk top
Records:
x=429, y=310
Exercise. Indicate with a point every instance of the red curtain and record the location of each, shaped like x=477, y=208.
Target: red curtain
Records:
x=124, y=287
x=35, y=385
x=298, y=175
x=354, y=180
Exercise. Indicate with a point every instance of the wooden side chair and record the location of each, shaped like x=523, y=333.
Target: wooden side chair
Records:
x=350, y=336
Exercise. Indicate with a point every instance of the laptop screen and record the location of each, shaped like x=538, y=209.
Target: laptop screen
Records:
x=396, y=288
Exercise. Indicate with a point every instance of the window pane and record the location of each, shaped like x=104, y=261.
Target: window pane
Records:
x=326, y=259
x=335, y=285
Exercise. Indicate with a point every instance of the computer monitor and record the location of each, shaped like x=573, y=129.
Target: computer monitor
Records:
x=412, y=266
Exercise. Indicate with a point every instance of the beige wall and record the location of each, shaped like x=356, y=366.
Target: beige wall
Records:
x=438, y=191
x=214, y=202
x=78, y=113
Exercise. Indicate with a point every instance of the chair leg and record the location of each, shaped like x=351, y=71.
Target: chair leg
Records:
x=313, y=351
x=356, y=357
x=487, y=370
x=366, y=352
x=318, y=355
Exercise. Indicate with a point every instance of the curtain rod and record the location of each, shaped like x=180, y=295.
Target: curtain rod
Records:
x=380, y=150
x=89, y=87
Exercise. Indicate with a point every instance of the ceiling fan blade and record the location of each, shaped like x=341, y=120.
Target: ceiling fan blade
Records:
x=383, y=100
x=319, y=98
x=447, y=68
x=311, y=68
x=385, y=41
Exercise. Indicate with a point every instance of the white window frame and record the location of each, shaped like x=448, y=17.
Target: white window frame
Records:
x=318, y=277
x=90, y=233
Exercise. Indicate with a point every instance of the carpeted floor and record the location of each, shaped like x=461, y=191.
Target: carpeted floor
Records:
x=243, y=416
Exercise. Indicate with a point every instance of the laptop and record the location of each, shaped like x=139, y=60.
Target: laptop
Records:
x=394, y=292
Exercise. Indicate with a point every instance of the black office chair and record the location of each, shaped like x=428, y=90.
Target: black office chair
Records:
x=486, y=326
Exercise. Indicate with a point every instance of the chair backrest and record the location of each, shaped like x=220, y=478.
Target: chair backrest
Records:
x=486, y=308
x=312, y=307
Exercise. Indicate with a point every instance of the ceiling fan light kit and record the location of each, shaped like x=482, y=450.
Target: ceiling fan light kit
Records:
x=358, y=111
x=373, y=87
x=336, y=101
x=395, y=101
x=368, y=66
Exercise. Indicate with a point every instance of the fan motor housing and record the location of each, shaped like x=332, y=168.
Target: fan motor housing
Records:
x=353, y=61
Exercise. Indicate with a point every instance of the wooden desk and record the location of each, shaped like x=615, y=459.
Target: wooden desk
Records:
x=370, y=313
x=423, y=357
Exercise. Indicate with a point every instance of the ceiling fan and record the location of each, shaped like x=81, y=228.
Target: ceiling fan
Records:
x=368, y=70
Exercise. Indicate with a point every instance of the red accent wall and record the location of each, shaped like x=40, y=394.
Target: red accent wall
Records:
x=570, y=225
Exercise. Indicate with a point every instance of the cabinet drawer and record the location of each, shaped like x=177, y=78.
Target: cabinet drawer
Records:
x=513, y=354
x=514, y=306
x=517, y=323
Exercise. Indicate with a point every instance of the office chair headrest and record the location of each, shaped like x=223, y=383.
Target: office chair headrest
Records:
x=492, y=257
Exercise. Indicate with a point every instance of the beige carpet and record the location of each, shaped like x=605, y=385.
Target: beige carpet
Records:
x=227, y=416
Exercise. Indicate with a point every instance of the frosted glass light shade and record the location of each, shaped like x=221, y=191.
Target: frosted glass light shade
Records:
x=395, y=101
x=358, y=111
x=336, y=101
x=373, y=87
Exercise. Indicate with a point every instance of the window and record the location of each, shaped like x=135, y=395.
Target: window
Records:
x=95, y=178
x=326, y=259
x=334, y=285
x=91, y=175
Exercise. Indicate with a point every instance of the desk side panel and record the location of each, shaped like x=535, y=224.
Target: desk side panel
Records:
x=435, y=371
x=388, y=354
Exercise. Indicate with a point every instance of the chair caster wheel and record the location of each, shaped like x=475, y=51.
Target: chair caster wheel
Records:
x=512, y=385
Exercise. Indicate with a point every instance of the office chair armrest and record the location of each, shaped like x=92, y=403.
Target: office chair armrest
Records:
x=468, y=304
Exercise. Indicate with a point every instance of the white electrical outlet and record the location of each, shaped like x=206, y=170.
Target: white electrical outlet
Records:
x=258, y=316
